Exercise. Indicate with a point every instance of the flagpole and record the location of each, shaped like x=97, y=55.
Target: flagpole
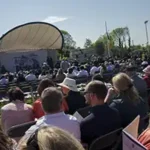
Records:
x=108, y=50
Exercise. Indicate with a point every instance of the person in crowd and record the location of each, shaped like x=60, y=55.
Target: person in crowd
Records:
x=82, y=72
x=6, y=143
x=16, y=112
x=70, y=73
x=37, y=105
x=50, y=138
x=102, y=119
x=10, y=77
x=64, y=65
x=144, y=138
x=42, y=75
x=30, y=76
x=130, y=103
x=20, y=77
x=60, y=76
x=147, y=76
x=138, y=82
x=94, y=69
x=52, y=105
x=3, y=80
x=73, y=97
x=98, y=77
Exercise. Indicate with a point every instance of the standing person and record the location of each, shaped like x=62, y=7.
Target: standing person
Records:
x=52, y=105
x=64, y=65
x=16, y=112
x=82, y=72
x=103, y=119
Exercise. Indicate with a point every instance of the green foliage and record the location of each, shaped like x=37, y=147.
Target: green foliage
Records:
x=88, y=43
x=69, y=43
x=99, y=47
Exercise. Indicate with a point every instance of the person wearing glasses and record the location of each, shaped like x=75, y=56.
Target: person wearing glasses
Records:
x=102, y=119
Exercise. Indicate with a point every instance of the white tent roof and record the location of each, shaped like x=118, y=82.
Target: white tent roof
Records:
x=32, y=36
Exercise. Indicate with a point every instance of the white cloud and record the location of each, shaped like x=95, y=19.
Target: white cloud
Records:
x=54, y=19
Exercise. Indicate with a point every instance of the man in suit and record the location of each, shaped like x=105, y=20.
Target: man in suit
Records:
x=102, y=119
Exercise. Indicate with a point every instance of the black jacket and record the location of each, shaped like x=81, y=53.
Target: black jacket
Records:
x=75, y=101
x=101, y=121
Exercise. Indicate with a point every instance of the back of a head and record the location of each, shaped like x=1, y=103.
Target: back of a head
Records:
x=98, y=88
x=123, y=83
x=98, y=77
x=45, y=83
x=82, y=68
x=53, y=138
x=15, y=94
x=5, y=142
x=51, y=100
x=50, y=138
x=70, y=70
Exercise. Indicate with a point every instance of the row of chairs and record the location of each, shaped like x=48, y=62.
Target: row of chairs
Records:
x=110, y=141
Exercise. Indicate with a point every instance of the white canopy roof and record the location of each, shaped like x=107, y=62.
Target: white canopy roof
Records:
x=32, y=36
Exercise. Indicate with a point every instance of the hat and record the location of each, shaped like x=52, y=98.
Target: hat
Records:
x=147, y=69
x=70, y=84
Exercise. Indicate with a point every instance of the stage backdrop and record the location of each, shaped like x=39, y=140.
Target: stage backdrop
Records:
x=11, y=60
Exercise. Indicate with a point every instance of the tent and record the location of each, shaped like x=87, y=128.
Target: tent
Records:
x=32, y=36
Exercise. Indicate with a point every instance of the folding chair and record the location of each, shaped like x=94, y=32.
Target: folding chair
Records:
x=19, y=130
x=110, y=141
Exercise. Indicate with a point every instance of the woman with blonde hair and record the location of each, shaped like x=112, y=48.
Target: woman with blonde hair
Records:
x=130, y=103
x=50, y=138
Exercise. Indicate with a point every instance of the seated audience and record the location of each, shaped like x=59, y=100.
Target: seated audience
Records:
x=50, y=138
x=20, y=77
x=30, y=76
x=3, y=80
x=70, y=73
x=138, y=82
x=144, y=138
x=52, y=105
x=82, y=72
x=103, y=119
x=147, y=76
x=131, y=104
x=73, y=97
x=16, y=112
x=37, y=105
x=98, y=77
x=94, y=69
x=60, y=76
x=42, y=75
x=5, y=142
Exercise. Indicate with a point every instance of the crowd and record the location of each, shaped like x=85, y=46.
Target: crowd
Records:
x=56, y=127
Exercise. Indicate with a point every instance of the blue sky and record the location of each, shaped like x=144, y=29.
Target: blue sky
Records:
x=81, y=18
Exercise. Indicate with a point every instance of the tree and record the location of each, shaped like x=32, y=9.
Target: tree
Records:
x=88, y=43
x=69, y=43
x=120, y=35
x=99, y=47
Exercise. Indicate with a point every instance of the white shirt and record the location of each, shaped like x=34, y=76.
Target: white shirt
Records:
x=30, y=77
x=3, y=81
x=82, y=73
x=61, y=120
x=93, y=70
x=41, y=77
